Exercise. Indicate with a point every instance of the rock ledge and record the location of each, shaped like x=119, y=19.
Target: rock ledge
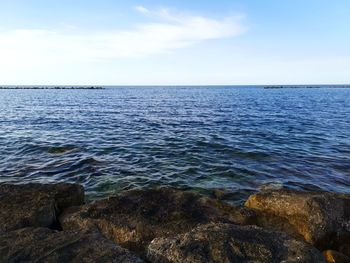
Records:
x=51, y=223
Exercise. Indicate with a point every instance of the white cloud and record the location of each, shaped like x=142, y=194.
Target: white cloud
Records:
x=142, y=9
x=170, y=31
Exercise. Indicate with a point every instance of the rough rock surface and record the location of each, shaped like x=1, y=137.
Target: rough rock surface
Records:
x=46, y=245
x=322, y=218
x=227, y=243
x=36, y=204
x=133, y=218
x=345, y=249
x=335, y=257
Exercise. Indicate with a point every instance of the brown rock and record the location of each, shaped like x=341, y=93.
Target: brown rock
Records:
x=322, y=218
x=36, y=204
x=46, y=245
x=133, y=218
x=226, y=243
x=335, y=257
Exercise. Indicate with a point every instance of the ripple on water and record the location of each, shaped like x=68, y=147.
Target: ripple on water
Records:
x=206, y=139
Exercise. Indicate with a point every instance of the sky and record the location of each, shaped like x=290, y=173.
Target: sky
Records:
x=198, y=42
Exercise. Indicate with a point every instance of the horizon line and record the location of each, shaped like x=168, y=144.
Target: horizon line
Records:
x=164, y=85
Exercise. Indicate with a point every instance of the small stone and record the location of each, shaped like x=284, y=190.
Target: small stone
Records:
x=333, y=256
x=36, y=204
x=226, y=243
x=47, y=245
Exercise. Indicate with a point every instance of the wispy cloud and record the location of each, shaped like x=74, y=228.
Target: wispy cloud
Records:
x=165, y=32
x=142, y=9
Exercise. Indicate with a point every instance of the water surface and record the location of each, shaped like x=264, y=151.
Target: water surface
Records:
x=202, y=138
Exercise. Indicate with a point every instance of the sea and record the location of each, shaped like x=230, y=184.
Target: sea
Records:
x=231, y=140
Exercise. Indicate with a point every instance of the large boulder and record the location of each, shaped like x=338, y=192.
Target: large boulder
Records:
x=321, y=218
x=47, y=245
x=36, y=204
x=226, y=243
x=133, y=218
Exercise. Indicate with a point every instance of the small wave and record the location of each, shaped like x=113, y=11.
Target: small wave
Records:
x=235, y=152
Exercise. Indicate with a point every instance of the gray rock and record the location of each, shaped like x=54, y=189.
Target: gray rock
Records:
x=133, y=218
x=227, y=243
x=36, y=204
x=322, y=218
x=46, y=245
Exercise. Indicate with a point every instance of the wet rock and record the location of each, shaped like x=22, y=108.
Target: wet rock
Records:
x=36, y=204
x=133, y=218
x=321, y=218
x=46, y=245
x=335, y=257
x=225, y=243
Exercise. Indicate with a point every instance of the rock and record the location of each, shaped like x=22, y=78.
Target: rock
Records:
x=36, y=204
x=345, y=249
x=321, y=218
x=133, y=218
x=225, y=243
x=335, y=257
x=67, y=195
x=46, y=245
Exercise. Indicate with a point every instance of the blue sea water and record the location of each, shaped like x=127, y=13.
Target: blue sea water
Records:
x=239, y=139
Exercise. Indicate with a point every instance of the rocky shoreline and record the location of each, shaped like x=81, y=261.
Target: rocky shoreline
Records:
x=51, y=223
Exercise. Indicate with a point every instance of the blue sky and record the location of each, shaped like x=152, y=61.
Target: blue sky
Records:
x=174, y=42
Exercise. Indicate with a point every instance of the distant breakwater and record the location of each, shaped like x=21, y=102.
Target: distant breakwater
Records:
x=302, y=86
x=52, y=87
